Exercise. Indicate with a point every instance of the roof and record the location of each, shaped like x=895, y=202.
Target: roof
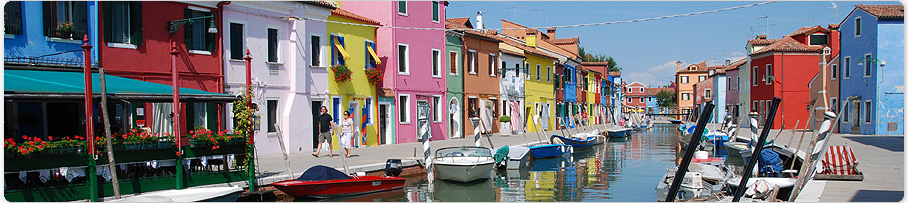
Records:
x=458, y=23
x=762, y=41
x=883, y=11
x=323, y=4
x=524, y=47
x=736, y=64
x=563, y=41
x=809, y=30
x=701, y=68
x=71, y=85
x=603, y=63
x=653, y=91
x=789, y=44
x=615, y=73
x=348, y=14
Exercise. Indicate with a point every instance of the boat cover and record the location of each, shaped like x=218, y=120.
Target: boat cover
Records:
x=770, y=162
x=502, y=153
x=322, y=173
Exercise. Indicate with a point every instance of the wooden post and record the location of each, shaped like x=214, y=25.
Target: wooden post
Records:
x=110, y=156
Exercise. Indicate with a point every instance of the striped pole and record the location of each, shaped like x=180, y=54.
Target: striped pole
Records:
x=818, y=146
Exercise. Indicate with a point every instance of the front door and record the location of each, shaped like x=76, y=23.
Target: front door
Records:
x=383, y=118
x=316, y=110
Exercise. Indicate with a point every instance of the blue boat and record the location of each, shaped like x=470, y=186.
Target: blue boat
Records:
x=578, y=143
x=617, y=132
x=550, y=150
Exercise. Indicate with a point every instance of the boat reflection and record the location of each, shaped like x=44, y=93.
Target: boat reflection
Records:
x=476, y=191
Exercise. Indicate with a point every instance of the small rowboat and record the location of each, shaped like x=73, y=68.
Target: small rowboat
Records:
x=617, y=132
x=326, y=182
x=550, y=150
x=207, y=194
x=578, y=142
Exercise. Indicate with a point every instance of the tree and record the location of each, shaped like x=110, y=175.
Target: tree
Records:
x=612, y=65
x=587, y=57
x=666, y=99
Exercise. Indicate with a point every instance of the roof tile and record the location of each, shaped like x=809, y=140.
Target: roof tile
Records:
x=884, y=11
x=788, y=44
x=345, y=13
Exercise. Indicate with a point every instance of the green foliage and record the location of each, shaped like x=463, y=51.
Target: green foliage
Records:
x=666, y=99
x=243, y=116
x=505, y=118
x=612, y=64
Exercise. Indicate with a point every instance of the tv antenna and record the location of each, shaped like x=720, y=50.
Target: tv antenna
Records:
x=515, y=12
x=766, y=18
x=835, y=9
x=536, y=14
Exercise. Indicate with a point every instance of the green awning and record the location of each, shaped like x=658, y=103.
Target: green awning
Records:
x=63, y=85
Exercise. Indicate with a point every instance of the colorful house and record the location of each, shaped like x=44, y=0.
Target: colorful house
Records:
x=783, y=69
x=481, y=75
x=412, y=73
x=686, y=79
x=635, y=95
x=512, y=87
x=454, y=50
x=734, y=88
x=719, y=92
x=593, y=96
x=286, y=95
x=539, y=89
x=824, y=87
x=746, y=78
x=353, y=47
x=872, y=63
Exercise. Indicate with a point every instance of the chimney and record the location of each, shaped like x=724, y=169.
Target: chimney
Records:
x=551, y=32
x=531, y=38
x=479, y=24
x=761, y=36
x=679, y=65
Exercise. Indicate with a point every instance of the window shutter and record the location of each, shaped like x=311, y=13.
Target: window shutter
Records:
x=135, y=23
x=49, y=22
x=272, y=45
x=80, y=19
x=187, y=30
x=341, y=58
x=108, y=20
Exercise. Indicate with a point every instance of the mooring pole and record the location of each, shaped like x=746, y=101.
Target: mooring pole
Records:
x=250, y=132
x=93, y=189
x=757, y=148
x=689, y=153
x=176, y=115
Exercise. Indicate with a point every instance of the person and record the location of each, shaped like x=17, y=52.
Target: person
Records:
x=347, y=128
x=325, y=128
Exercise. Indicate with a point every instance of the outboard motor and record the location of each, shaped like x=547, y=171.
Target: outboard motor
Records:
x=393, y=167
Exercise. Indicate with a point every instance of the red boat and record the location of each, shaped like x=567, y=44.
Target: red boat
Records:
x=326, y=182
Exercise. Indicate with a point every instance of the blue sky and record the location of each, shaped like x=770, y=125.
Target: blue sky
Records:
x=647, y=51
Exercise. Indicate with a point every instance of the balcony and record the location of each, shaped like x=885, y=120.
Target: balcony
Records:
x=13, y=28
x=75, y=34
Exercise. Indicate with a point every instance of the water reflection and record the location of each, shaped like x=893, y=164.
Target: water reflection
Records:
x=620, y=170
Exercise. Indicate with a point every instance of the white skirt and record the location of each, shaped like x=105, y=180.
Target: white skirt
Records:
x=346, y=140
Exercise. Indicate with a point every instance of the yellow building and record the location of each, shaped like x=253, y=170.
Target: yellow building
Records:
x=539, y=90
x=352, y=46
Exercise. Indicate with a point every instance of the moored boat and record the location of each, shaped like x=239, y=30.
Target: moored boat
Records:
x=326, y=182
x=579, y=142
x=550, y=150
x=463, y=164
x=617, y=132
x=207, y=194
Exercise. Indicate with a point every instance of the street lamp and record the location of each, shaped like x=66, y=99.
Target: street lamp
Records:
x=176, y=25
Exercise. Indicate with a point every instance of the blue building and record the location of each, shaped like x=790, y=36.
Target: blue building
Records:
x=49, y=33
x=872, y=71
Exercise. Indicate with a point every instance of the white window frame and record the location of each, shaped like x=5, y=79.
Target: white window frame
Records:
x=858, y=24
x=756, y=69
x=454, y=63
x=437, y=11
x=641, y=99
x=277, y=109
x=866, y=111
x=685, y=79
x=701, y=78
x=708, y=93
x=755, y=107
x=846, y=70
x=685, y=96
x=833, y=104
x=404, y=117
x=868, y=72
x=277, y=50
x=738, y=82
x=406, y=8
x=438, y=64
x=493, y=64
x=371, y=110
x=768, y=74
x=472, y=61
x=834, y=73
x=321, y=51
x=437, y=109
x=538, y=72
x=526, y=75
x=406, y=61
x=548, y=72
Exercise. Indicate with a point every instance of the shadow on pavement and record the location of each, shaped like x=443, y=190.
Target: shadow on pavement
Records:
x=878, y=196
x=893, y=144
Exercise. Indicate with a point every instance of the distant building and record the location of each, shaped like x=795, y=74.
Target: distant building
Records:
x=635, y=95
x=733, y=106
x=686, y=78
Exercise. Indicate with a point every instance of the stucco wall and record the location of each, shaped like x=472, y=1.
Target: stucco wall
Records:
x=32, y=42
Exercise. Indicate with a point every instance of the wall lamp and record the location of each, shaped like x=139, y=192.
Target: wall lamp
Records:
x=176, y=25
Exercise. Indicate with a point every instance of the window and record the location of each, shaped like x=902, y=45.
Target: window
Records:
x=336, y=109
x=236, y=41
x=368, y=107
x=847, y=68
x=404, y=103
x=685, y=96
x=868, y=68
x=641, y=99
x=818, y=39
x=371, y=58
x=754, y=75
x=453, y=62
x=548, y=73
x=315, y=44
x=728, y=81
x=494, y=107
x=122, y=22
x=738, y=82
x=629, y=100
x=434, y=11
x=833, y=104
x=505, y=66
x=754, y=107
x=769, y=76
x=338, y=51
x=684, y=79
x=526, y=69
x=57, y=13
x=471, y=61
x=857, y=27
x=868, y=110
x=473, y=103
x=402, y=7
x=493, y=62
x=436, y=63
x=403, y=59
x=709, y=94
x=834, y=73
x=12, y=13
x=517, y=69
x=845, y=113
x=438, y=107
x=272, y=45
x=538, y=72
x=856, y=110
x=272, y=115
x=197, y=36
x=641, y=90
x=701, y=78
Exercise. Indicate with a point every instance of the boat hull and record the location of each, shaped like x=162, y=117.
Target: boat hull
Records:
x=578, y=143
x=518, y=158
x=620, y=133
x=337, y=188
x=550, y=150
x=209, y=194
x=463, y=172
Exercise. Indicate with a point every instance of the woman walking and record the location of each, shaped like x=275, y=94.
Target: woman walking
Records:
x=347, y=129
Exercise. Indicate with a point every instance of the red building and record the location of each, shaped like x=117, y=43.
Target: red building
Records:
x=703, y=92
x=783, y=69
x=137, y=42
x=635, y=95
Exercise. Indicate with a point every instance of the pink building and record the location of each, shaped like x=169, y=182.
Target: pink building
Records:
x=635, y=95
x=412, y=62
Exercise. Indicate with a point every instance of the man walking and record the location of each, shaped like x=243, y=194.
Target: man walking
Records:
x=325, y=126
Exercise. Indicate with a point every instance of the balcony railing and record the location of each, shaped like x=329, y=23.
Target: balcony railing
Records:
x=13, y=28
x=75, y=34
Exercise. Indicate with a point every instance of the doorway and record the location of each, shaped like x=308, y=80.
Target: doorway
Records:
x=383, y=123
x=316, y=110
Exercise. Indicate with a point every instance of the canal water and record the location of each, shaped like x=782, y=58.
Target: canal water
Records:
x=625, y=170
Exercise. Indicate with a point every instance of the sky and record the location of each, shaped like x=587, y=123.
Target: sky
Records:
x=647, y=51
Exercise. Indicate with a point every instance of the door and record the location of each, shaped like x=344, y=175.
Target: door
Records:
x=316, y=110
x=383, y=123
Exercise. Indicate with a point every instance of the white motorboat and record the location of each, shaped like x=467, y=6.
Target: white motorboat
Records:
x=702, y=179
x=518, y=157
x=463, y=164
x=207, y=194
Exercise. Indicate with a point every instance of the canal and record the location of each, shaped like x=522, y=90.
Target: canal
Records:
x=625, y=170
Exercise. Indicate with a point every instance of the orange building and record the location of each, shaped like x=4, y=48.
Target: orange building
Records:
x=686, y=79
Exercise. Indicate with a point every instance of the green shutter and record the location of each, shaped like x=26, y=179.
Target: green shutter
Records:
x=49, y=21
x=212, y=110
x=135, y=23
x=108, y=21
x=402, y=7
x=186, y=32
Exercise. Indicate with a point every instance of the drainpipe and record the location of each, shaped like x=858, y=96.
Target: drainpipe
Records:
x=220, y=79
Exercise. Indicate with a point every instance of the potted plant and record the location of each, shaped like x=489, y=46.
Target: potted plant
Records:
x=374, y=76
x=341, y=73
x=65, y=30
